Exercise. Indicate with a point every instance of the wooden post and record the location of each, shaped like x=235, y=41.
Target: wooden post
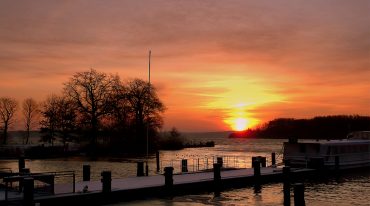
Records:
x=106, y=181
x=74, y=182
x=140, y=169
x=157, y=161
x=28, y=191
x=286, y=162
x=6, y=189
x=86, y=172
x=257, y=168
x=253, y=160
x=146, y=169
x=217, y=178
x=273, y=159
x=286, y=185
x=168, y=177
x=299, y=195
x=220, y=161
x=217, y=172
x=21, y=164
x=337, y=163
x=263, y=161
x=184, y=165
x=23, y=171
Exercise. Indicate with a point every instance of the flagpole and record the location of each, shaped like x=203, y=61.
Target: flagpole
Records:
x=147, y=126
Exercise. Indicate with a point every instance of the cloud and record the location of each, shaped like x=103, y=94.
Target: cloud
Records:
x=305, y=57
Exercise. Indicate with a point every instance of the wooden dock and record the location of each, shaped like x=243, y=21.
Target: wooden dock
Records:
x=153, y=186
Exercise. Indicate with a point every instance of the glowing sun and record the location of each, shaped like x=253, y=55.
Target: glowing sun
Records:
x=239, y=119
x=240, y=124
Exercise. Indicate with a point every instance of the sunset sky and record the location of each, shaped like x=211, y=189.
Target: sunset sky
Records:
x=216, y=64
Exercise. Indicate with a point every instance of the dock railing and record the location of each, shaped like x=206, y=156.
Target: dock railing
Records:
x=198, y=164
x=43, y=183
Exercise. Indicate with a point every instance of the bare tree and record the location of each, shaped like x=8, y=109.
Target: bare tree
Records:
x=66, y=119
x=30, y=112
x=121, y=110
x=58, y=119
x=91, y=92
x=8, y=107
x=49, y=112
x=145, y=105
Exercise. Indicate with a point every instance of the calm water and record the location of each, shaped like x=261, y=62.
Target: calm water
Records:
x=352, y=189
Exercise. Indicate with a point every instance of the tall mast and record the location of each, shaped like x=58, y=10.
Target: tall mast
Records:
x=147, y=126
x=150, y=55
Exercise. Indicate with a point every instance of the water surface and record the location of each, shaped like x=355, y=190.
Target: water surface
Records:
x=350, y=189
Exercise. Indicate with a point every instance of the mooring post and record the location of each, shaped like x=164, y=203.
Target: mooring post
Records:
x=86, y=172
x=146, y=169
x=74, y=182
x=28, y=191
x=217, y=177
x=220, y=161
x=168, y=177
x=253, y=160
x=217, y=172
x=140, y=169
x=286, y=185
x=21, y=164
x=106, y=181
x=157, y=160
x=337, y=163
x=263, y=161
x=257, y=168
x=273, y=159
x=184, y=165
x=23, y=172
x=286, y=162
x=299, y=195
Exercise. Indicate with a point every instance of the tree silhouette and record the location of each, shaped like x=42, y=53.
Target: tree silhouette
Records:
x=30, y=112
x=145, y=106
x=49, y=112
x=8, y=107
x=91, y=93
x=322, y=127
x=59, y=119
x=66, y=119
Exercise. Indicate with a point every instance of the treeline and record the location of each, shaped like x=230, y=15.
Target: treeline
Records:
x=323, y=127
x=93, y=107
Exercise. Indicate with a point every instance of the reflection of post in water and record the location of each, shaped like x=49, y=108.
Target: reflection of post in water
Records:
x=299, y=194
x=217, y=193
x=257, y=188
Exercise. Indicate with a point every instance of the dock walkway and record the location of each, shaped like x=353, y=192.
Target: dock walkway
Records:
x=142, y=187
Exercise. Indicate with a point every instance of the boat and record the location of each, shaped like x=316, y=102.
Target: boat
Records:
x=348, y=153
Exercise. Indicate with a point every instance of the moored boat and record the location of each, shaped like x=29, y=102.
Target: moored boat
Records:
x=352, y=152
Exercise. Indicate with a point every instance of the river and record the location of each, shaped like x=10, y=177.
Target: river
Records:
x=349, y=189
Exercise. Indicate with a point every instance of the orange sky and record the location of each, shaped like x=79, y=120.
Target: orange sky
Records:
x=213, y=62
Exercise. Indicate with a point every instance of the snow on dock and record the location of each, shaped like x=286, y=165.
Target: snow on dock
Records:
x=139, y=187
